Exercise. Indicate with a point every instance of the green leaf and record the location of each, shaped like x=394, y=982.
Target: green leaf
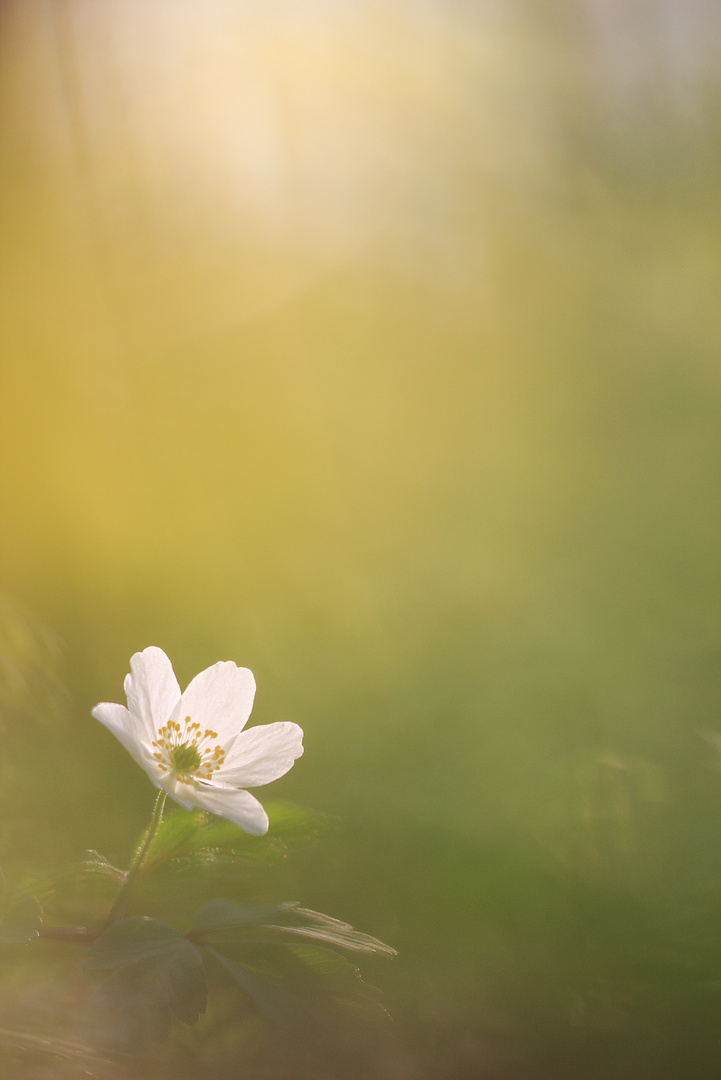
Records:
x=294, y=985
x=187, y=987
x=291, y=822
x=171, y=982
x=22, y=922
x=301, y=922
x=82, y=889
x=129, y=940
x=182, y=833
x=174, y=836
x=96, y=875
x=96, y=864
x=278, y=955
x=340, y=978
x=158, y=975
x=287, y=920
x=265, y=985
x=228, y=915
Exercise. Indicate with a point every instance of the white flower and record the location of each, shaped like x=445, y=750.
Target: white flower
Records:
x=193, y=745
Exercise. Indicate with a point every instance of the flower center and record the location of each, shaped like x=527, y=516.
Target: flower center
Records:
x=186, y=752
x=186, y=757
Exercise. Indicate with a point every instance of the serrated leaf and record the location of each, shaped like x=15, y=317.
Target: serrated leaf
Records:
x=286, y=919
x=187, y=986
x=216, y=834
x=266, y=988
x=158, y=974
x=294, y=984
x=231, y=863
x=288, y=821
x=340, y=978
x=184, y=836
x=95, y=863
x=174, y=835
x=312, y=968
x=280, y=957
x=217, y=862
x=172, y=981
x=136, y=997
x=329, y=964
x=81, y=890
x=130, y=940
x=302, y=922
x=218, y=915
x=182, y=833
x=21, y=923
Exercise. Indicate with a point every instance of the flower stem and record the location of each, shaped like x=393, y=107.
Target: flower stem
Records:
x=137, y=860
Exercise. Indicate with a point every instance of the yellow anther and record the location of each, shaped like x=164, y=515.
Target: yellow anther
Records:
x=182, y=750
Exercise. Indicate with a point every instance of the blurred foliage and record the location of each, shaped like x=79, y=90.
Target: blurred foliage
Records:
x=375, y=347
x=21, y=923
x=284, y=958
x=31, y=688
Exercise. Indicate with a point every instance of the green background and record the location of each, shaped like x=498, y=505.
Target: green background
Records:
x=376, y=348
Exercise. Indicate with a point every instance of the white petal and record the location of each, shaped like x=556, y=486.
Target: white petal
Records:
x=179, y=790
x=262, y=754
x=240, y=807
x=152, y=688
x=124, y=727
x=219, y=698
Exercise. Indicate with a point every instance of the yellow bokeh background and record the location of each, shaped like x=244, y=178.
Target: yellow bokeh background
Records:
x=375, y=347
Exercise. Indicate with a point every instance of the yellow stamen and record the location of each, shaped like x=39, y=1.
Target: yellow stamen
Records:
x=182, y=751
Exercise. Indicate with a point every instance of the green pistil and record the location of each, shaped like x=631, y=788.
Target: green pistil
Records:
x=186, y=758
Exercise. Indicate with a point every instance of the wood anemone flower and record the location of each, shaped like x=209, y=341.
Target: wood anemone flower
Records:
x=192, y=745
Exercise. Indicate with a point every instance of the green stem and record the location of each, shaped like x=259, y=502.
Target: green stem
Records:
x=137, y=860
